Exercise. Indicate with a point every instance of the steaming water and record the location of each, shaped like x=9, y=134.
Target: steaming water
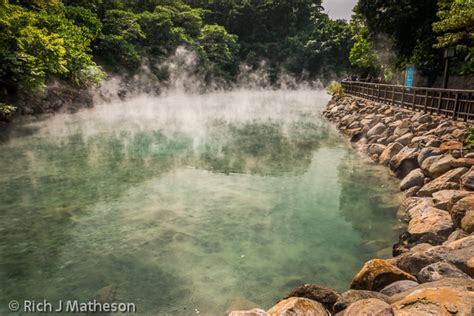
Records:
x=188, y=203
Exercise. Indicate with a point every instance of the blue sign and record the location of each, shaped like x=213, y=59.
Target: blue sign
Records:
x=409, y=76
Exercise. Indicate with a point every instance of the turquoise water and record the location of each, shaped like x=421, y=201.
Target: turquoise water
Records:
x=188, y=203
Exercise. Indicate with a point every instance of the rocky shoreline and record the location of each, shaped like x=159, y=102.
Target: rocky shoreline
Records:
x=433, y=263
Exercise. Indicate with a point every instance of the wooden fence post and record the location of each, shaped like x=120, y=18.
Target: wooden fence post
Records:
x=426, y=101
x=456, y=105
x=414, y=100
x=393, y=95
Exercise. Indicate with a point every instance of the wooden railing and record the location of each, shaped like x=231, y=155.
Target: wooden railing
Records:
x=458, y=104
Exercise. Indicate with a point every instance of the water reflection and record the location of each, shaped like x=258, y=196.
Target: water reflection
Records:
x=187, y=203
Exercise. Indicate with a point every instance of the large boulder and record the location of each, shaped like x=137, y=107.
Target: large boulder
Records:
x=369, y=306
x=405, y=161
x=375, y=149
x=377, y=130
x=349, y=297
x=432, y=221
x=440, y=166
x=428, y=162
x=414, y=178
x=467, y=223
x=442, y=198
x=439, y=270
x=317, y=293
x=450, y=145
x=391, y=150
x=405, y=139
x=398, y=287
x=467, y=180
x=377, y=274
x=298, y=306
x=447, y=181
x=456, y=252
x=459, y=210
x=462, y=162
x=426, y=153
x=413, y=206
x=445, y=297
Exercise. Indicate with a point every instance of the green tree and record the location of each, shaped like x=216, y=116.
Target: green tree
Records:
x=220, y=47
x=456, y=28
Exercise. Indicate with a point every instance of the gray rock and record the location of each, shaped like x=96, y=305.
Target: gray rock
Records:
x=431, y=221
x=375, y=149
x=459, y=210
x=456, y=235
x=447, y=296
x=298, y=306
x=440, y=166
x=467, y=180
x=369, y=306
x=439, y=270
x=445, y=182
x=378, y=129
x=426, y=153
x=441, y=198
x=467, y=222
x=391, y=150
x=410, y=207
x=433, y=143
x=405, y=161
x=458, y=253
x=349, y=297
x=317, y=293
x=414, y=178
x=405, y=139
x=428, y=161
x=398, y=287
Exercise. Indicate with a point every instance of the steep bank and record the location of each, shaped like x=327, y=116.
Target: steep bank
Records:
x=433, y=264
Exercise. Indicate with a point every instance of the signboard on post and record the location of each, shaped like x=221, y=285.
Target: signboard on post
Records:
x=409, y=76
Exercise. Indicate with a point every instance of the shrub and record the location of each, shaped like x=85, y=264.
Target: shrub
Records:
x=469, y=141
x=335, y=89
x=6, y=111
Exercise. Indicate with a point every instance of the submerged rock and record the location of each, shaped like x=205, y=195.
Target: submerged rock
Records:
x=377, y=274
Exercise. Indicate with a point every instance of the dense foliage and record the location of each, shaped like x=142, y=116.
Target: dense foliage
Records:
x=76, y=40
x=414, y=32
x=79, y=41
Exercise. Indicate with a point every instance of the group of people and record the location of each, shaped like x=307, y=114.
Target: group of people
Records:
x=369, y=78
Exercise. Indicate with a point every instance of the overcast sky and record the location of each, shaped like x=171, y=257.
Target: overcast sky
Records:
x=339, y=9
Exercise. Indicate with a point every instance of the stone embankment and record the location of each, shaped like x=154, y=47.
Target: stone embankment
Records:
x=433, y=263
